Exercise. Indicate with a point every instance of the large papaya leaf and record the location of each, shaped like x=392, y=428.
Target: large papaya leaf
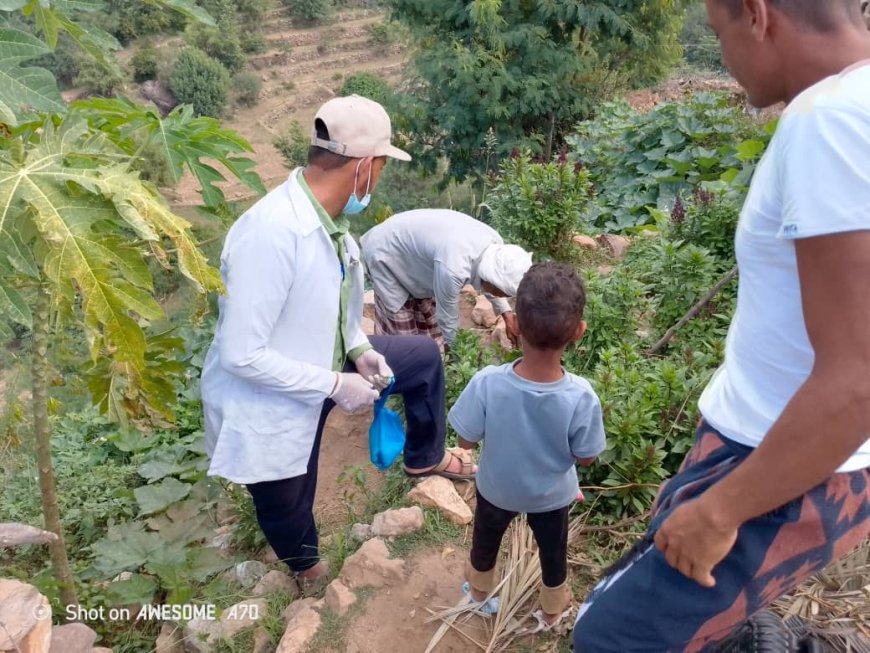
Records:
x=183, y=140
x=25, y=88
x=89, y=214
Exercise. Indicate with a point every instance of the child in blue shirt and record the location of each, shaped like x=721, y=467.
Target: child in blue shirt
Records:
x=536, y=421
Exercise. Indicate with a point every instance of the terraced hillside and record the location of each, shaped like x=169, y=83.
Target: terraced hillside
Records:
x=301, y=68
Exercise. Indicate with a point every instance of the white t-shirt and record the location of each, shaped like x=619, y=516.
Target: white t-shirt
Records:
x=814, y=179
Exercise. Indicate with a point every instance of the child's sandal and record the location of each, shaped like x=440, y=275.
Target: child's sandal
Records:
x=488, y=607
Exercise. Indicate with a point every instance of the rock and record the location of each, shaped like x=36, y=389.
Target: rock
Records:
x=201, y=635
x=26, y=618
x=482, y=313
x=440, y=493
x=262, y=641
x=368, y=326
x=249, y=572
x=240, y=616
x=469, y=290
x=12, y=534
x=296, y=607
x=170, y=639
x=585, y=242
x=371, y=566
x=397, y=521
x=339, y=598
x=72, y=638
x=268, y=556
x=361, y=532
x=301, y=629
x=615, y=245
x=276, y=581
x=101, y=649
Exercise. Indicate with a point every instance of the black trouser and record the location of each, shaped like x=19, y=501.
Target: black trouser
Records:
x=551, y=534
x=285, y=507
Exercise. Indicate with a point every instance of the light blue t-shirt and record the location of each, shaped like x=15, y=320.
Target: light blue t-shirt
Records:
x=531, y=433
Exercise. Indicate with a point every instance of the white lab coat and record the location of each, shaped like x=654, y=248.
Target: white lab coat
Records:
x=268, y=369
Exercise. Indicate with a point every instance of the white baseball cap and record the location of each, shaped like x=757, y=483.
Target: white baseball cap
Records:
x=358, y=127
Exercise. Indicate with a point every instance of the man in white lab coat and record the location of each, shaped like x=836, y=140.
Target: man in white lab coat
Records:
x=288, y=344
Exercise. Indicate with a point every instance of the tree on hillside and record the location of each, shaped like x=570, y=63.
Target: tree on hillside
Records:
x=527, y=69
x=200, y=81
x=78, y=225
x=310, y=11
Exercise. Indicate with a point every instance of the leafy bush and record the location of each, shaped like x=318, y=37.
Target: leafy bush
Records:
x=252, y=42
x=131, y=19
x=637, y=161
x=709, y=220
x=145, y=63
x=246, y=87
x=221, y=43
x=200, y=81
x=386, y=33
x=293, y=146
x=540, y=205
x=700, y=46
x=370, y=86
x=63, y=62
x=97, y=79
x=310, y=11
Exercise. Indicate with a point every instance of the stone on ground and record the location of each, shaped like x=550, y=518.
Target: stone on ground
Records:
x=371, y=566
x=276, y=581
x=72, y=638
x=170, y=639
x=615, y=245
x=440, y=493
x=397, y=521
x=585, y=242
x=297, y=606
x=26, y=617
x=101, y=649
x=339, y=598
x=500, y=336
x=301, y=629
x=262, y=641
x=483, y=314
x=12, y=534
x=361, y=532
x=240, y=616
x=249, y=572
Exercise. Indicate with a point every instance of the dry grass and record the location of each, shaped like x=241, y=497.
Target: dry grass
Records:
x=518, y=596
x=835, y=605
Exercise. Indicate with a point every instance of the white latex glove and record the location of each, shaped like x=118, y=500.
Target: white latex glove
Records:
x=352, y=393
x=373, y=367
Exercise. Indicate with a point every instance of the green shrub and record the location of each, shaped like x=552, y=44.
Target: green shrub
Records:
x=200, y=81
x=221, y=43
x=540, y=206
x=130, y=19
x=708, y=220
x=637, y=161
x=310, y=11
x=370, y=86
x=145, y=63
x=246, y=87
x=252, y=42
x=63, y=61
x=293, y=146
x=386, y=33
x=98, y=80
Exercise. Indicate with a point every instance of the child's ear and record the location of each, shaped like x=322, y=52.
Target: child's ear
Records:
x=578, y=334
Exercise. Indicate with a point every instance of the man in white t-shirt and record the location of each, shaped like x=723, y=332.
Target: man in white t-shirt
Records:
x=777, y=484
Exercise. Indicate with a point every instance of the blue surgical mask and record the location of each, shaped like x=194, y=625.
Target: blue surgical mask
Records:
x=354, y=203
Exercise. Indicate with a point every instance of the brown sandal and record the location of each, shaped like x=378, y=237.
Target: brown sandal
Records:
x=467, y=469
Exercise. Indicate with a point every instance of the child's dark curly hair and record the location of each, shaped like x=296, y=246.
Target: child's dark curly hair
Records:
x=550, y=302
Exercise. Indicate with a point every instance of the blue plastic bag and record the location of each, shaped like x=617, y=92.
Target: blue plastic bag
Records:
x=386, y=434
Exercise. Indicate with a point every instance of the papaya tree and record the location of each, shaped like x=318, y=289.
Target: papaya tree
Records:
x=78, y=225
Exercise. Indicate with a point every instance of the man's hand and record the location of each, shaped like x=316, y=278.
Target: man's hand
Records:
x=373, y=367
x=512, y=327
x=694, y=541
x=352, y=393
